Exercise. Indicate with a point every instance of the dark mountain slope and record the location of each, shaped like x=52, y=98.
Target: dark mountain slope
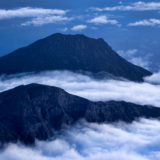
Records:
x=34, y=111
x=70, y=52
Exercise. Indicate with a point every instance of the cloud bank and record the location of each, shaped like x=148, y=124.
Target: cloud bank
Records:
x=87, y=87
x=90, y=141
x=136, y=141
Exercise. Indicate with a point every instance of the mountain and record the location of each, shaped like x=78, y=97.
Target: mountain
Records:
x=70, y=52
x=35, y=111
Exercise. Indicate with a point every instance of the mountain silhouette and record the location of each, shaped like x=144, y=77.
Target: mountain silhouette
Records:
x=35, y=111
x=70, y=52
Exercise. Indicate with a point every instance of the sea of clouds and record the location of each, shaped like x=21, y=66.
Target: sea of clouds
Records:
x=119, y=141
x=96, y=90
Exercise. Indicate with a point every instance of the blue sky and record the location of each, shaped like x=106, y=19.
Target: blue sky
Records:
x=130, y=27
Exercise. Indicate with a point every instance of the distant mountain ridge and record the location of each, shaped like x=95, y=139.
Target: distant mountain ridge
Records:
x=70, y=52
x=35, y=111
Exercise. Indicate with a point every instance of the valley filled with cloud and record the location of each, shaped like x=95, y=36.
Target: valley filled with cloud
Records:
x=136, y=141
x=85, y=141
x=82, y=85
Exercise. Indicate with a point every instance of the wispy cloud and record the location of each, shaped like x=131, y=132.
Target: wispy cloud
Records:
x=29, y=12
x=46, y=20
x=102, y=20
x=139, y=61
x=128, y=53
x=145, y=22
x=137, y=6
x=79, y=27
x=132, y=56
x=64, y=29
x=39, y=16
x=155, y=78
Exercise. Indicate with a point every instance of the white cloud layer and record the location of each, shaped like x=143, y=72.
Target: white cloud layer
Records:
x=136, y=141
x=95, y=90
x=137, y=6
x=145, y=22
x=102, y=20
x=79, y=27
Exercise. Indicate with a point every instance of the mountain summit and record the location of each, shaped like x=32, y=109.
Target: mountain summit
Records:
x=70, y=52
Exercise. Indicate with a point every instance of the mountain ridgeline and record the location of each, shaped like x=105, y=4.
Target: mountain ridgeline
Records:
x=70, y=52
x=36, y=111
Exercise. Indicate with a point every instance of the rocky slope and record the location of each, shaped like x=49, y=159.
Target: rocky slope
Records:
x=70, y=52
x=34, y=111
